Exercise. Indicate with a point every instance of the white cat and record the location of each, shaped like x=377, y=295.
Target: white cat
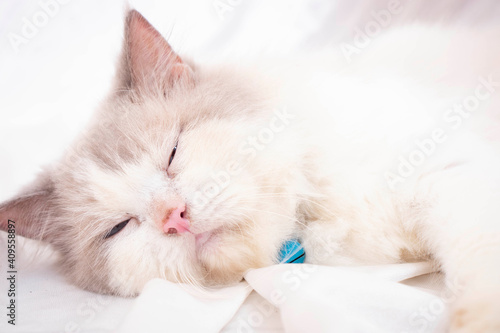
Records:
x=196, y=174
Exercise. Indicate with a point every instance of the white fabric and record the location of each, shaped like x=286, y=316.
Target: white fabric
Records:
x=305, y=298
x=282, y=298
x=163, y=304
x=338, y=299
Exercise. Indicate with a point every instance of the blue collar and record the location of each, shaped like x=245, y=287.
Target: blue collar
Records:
x=291, y=252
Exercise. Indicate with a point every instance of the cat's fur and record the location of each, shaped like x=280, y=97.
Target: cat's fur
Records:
x=309, y=151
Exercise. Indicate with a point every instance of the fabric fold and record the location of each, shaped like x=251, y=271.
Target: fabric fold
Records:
x=164, y=306
x=339, y=299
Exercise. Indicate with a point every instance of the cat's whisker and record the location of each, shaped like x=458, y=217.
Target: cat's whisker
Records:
x=279, y=195
x=247, y=222
x=263, y=187
x=319, y=239
x=276, y=214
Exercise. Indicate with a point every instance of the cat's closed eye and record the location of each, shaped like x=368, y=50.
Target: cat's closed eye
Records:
x=116, y=229
x=172, y=154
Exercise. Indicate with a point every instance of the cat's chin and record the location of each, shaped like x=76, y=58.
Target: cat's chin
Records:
x=207, y=240
x=225, y=255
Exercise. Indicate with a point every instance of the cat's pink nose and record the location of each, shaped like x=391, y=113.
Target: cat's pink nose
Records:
x=176, y=221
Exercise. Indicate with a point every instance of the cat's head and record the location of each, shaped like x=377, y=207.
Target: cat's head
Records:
x=181, y=175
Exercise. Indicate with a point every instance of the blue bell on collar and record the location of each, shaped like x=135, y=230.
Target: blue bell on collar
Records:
x=291, y=252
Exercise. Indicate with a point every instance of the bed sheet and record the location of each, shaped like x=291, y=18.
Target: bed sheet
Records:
x=281, y=298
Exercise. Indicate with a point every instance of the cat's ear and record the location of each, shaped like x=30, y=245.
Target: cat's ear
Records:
x=148, y=62
x=29, y=212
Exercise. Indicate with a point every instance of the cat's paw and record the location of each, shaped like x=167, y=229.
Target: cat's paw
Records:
x=476, y=312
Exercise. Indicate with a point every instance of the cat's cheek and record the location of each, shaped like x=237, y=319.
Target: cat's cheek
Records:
x=226, y=258
x=130, y=265
x=125, y=282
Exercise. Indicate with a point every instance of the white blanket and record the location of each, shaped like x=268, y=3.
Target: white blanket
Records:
x=282, y=298
x=294, y=298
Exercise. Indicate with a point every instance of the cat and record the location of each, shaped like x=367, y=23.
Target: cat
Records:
x=196, y=174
